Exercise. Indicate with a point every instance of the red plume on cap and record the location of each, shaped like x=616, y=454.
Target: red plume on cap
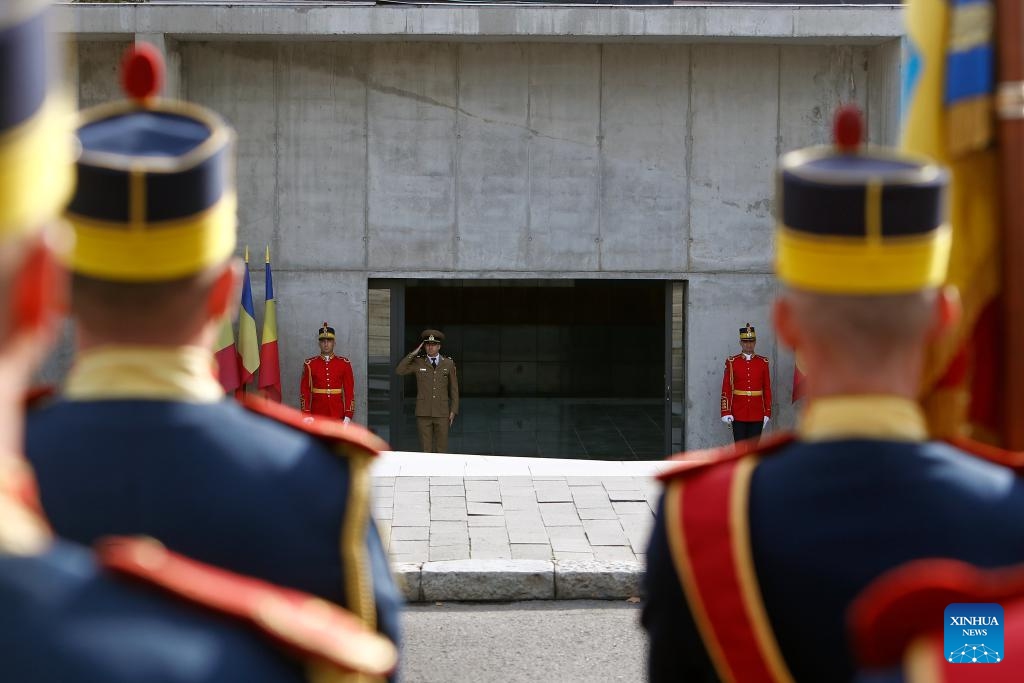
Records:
x=325, y=324
x=142, y=72
x=848, y=128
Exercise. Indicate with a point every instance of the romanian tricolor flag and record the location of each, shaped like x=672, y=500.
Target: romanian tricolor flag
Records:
x=227, y=357
x=948, y=94
x=270, y=364
x=248, y=344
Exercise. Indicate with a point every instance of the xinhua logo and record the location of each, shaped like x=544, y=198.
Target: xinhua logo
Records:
x=974, y=633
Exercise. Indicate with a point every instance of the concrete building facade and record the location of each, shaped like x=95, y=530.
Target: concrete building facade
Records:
x=514, y=144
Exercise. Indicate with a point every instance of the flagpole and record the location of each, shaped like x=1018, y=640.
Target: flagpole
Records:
x=270, y=359
x=248, y=343
x=1010, y=110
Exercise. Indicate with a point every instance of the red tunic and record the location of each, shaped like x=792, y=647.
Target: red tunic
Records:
x=747, y=388
x=327, y=387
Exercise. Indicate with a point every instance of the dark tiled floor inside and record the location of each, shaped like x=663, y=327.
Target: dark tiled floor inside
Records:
x=619, y=429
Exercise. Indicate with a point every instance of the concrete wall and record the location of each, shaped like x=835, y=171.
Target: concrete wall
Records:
x=361, y=160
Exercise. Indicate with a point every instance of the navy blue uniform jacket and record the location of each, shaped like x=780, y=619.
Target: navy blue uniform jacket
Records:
x=211, y=481
x=64, y=620
x=826, y=518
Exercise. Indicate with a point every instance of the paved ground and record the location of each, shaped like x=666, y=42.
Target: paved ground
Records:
x=438, y=507
x=492, y=528
x=558, y=642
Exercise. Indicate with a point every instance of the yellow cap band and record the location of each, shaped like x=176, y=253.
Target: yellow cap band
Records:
x=839, y=265
x=155, y=251
x=36, y=170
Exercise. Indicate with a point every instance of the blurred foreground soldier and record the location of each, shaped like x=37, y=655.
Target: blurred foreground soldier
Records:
x=747, y=389
x=69, y=614
x=757, y=554
x=941, y=621
x=142, y=440
x=327, y=387
x=437, y=391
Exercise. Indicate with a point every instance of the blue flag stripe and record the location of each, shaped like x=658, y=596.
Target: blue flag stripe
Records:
x=247, y=295
x=969, y=74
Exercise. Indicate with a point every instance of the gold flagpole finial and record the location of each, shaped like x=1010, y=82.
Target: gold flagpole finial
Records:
x=247, y=254
x=268, y=254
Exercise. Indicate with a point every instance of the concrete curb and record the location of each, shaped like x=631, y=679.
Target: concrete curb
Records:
x=512, y=580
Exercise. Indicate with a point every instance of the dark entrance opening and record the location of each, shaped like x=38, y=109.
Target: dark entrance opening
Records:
x=552, y=368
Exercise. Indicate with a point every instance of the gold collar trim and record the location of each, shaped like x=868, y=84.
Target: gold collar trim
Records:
x=879, y=417
x=140, y=372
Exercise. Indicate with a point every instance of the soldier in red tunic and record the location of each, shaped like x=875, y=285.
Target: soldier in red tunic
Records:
x=327, y=386
x=746, y=389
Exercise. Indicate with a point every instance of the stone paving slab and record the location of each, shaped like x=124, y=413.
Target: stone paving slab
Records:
x=479, y=528
x=486, y=521
x=488, y=580
x=484, y=509
x=593, y=580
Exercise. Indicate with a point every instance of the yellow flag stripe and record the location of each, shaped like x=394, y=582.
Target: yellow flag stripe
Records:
x=248, y=346
x=974, y=259
x=270, y=322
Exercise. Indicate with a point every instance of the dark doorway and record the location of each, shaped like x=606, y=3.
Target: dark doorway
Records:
x=553, y=368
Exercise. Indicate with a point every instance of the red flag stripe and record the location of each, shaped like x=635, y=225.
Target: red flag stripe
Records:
x=227, y=368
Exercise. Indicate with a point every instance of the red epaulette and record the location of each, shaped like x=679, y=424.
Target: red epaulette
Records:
x=333, y=431
x=1000, y=456
x=302, y=623
x=908, y=602
x=39, y=397
x=695, y=461
x=310, y=359
x=344, y=359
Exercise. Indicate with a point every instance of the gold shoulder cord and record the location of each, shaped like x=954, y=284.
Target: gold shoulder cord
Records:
x=356, y=562
x=354, y=553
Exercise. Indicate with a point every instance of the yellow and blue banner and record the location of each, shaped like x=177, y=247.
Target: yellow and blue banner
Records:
x=270, y=363
x=948, y=93
x=248, y=344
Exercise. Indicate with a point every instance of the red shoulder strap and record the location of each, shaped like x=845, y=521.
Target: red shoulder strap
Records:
x=693, y=461
x=307, y=625
x=39, y=396
x=707, y=522
x=359, y=446
x=330, y=430
x=899, y=618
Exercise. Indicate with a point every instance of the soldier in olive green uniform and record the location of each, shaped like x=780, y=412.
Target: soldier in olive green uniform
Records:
x=437, y=391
